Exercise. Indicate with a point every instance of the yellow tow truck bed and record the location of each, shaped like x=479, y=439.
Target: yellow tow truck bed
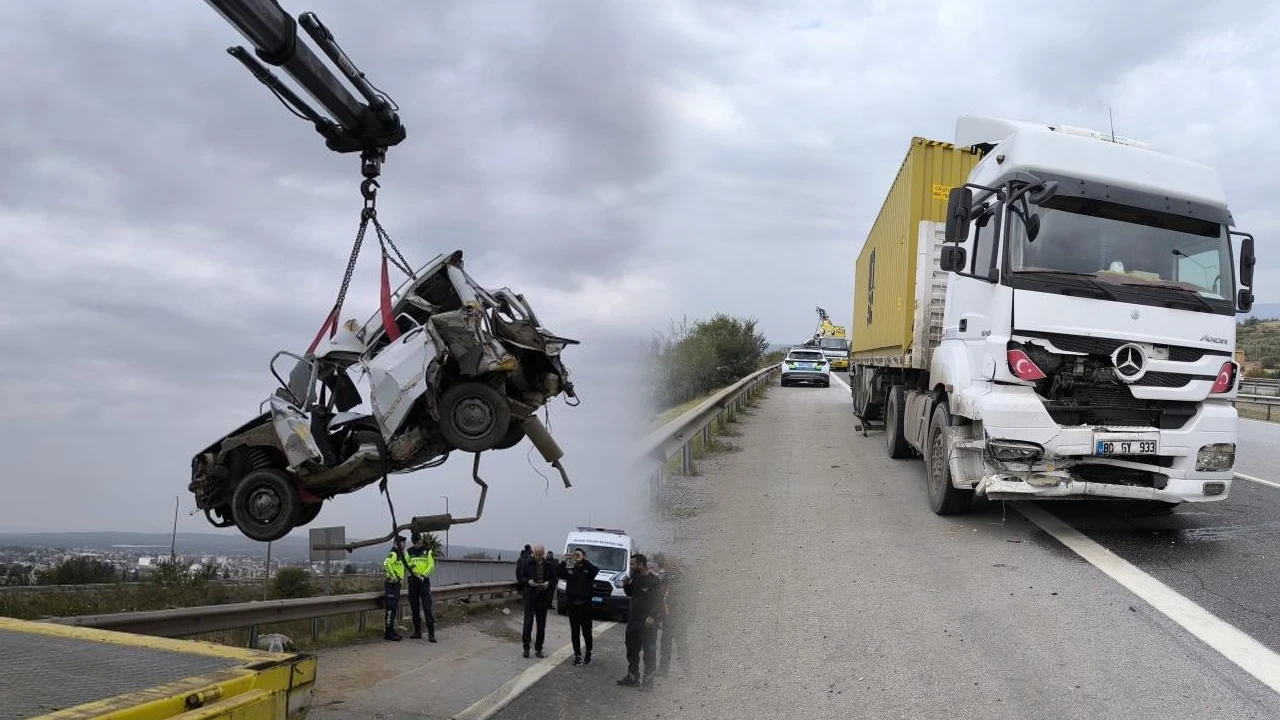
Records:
x=58, y=672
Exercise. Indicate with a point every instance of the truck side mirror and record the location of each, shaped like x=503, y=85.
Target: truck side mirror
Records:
x=1244, y=300
x=959, y=204
x=953, y=258
x=1247, y=261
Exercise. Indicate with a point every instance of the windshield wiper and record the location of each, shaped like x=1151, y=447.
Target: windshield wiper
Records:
x=1186, y=291
x=1087, y=277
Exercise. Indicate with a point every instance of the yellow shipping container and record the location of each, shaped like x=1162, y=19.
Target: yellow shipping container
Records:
x=884, y=292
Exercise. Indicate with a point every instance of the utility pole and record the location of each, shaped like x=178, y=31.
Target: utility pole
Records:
x=173, y=539
x=446, y=530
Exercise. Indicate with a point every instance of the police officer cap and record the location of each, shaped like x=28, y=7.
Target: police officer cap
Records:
x=415, y=538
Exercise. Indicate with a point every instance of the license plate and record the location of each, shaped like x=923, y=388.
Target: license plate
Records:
x=597, y=601
x=1126, y=446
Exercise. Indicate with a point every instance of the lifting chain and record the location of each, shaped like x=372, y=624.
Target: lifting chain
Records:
x=371, y=162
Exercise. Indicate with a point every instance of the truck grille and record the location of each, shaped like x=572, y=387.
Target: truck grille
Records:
x=602, y=587
x=1115, y=405
x=1106, y=346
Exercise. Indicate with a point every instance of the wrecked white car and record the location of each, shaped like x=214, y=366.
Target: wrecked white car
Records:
x=450, y=366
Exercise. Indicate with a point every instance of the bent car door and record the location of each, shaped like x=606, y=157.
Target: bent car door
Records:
x=398, y=376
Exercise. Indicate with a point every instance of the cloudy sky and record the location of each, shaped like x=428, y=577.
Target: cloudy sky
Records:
x=166, y=226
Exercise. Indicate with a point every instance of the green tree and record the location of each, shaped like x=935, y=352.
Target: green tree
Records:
x=292, y=582
x=79, y=570
x=434, y=545
x=691, y=360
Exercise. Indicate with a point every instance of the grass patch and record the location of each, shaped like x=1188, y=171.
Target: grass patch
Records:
x=719, y=430
x=672, y=413
x=1257, y=412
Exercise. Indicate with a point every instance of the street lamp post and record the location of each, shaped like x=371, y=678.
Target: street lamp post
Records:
x=446, y=530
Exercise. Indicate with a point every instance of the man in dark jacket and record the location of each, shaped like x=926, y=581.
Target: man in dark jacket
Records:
x=645, y=590
x=578, y=574
x=537, y=577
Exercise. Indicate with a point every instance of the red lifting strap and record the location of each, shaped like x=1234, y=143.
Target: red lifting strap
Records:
x=388, y=320
x=330, y=324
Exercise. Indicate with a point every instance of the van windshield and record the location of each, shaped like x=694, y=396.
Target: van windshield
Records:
x=605, y=558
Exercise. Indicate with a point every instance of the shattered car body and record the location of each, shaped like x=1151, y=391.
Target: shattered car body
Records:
x=450, y=366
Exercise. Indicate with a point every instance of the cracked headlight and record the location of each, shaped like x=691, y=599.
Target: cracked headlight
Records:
x=1217, y=457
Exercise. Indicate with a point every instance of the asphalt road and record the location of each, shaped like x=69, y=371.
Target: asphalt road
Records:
x=827, y=589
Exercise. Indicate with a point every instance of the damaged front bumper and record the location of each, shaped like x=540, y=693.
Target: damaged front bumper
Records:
x=1043, y=487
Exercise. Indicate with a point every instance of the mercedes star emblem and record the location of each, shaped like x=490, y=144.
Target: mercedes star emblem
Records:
x=1130, y=361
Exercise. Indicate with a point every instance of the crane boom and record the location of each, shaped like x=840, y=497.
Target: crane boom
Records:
x=368, y=127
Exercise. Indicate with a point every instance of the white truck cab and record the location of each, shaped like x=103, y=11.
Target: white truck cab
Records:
x=1083, y=345
x=610, y=551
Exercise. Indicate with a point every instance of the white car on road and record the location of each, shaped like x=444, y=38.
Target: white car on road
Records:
x=803, y=365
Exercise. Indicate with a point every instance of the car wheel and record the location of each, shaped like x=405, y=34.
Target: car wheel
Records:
x=309, y=512
x=265, y=505
x=474, y=417
x=944, y=498
x=515, y=433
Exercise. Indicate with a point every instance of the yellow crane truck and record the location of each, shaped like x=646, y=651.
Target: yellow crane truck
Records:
x=60, y=672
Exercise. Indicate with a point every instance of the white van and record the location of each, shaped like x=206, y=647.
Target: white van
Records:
x=610, y=551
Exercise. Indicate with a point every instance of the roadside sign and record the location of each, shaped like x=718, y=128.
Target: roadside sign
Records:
x=328, y=536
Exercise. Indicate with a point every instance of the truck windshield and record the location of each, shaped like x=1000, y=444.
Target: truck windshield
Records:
x=1125, y=246
x=840, y=344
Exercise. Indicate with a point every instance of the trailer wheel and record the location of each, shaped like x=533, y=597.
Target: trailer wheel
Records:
x=944, y=498
x=265, y=505
x=474, y=417
x=894, y=423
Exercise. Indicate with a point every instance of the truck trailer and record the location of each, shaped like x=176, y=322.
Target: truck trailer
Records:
x=1048, y=312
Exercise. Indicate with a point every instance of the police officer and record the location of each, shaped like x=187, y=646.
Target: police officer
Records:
x=395, y=566
x=421, y=562
x=645, y=590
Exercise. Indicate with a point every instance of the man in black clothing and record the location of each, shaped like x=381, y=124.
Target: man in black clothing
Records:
x=537, y=577
x=578, y=574
x=645, y=590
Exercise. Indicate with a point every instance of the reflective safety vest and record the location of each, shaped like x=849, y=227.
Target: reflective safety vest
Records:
x=421, y=562
x=394, y=566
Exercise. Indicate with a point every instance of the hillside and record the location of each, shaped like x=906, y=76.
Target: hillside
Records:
x=1260, y=341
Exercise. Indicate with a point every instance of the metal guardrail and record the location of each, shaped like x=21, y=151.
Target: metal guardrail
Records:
x=677, y=437
x=1267, y=401
x=1260, y=386
x=182, y=622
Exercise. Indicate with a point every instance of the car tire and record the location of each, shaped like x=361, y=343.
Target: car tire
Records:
x=944, y=498
x=474, y=417
x=515, y=433
x=310, y=511
x=894, y=428
x=265, y=505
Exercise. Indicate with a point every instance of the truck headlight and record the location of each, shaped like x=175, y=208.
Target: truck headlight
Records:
x=617, y=579
x=1217, y=457
x=1014, y=451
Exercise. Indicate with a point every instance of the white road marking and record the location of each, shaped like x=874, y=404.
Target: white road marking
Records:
x=843, y=383
x=490, y=704
x=1258, y=480
x=1250, y=655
